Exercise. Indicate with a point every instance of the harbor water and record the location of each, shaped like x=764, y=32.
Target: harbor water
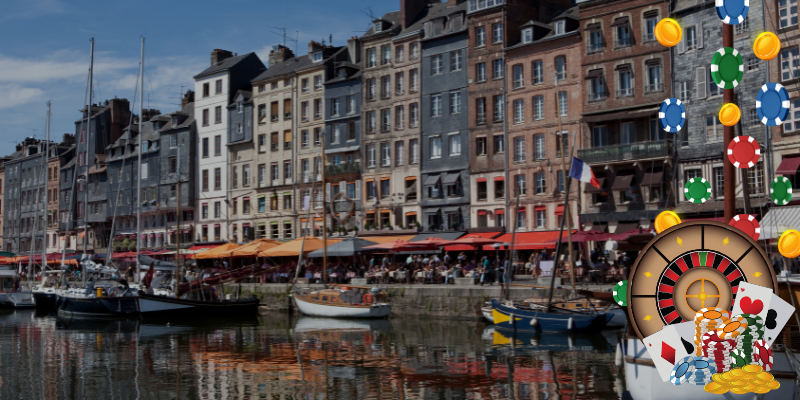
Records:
x=279, y=356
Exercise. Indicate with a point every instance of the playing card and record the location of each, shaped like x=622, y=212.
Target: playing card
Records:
x=752, y=299
x=665, y=348
x=777, y=314
x=687, y=330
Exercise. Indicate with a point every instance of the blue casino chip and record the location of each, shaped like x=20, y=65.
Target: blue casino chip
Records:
x=702, y=370
x=682, y=370
x=672, y=115
x=732, y=12
x=772, y=104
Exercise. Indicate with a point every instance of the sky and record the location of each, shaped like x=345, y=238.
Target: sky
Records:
x=44, y=55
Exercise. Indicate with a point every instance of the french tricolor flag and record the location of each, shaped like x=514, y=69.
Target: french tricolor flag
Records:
x=583, y=172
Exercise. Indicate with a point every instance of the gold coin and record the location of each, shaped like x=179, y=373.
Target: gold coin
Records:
x=713, y=386
x=789, y=244
x=774, y=385
x=729, y=114
x=738, y=391
x=749, y=387
x=728, y=377
x=752, y=369
x=765, y=376
x=737, y=384
x=666, y=220
x=737, y=372
x=718, y=378
x=668, y=32
x=762, y=389
x=767, y=46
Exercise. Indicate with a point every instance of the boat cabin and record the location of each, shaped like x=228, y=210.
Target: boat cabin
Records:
x=9, y=281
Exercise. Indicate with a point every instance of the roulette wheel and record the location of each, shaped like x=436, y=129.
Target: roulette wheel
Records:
x=690, y=266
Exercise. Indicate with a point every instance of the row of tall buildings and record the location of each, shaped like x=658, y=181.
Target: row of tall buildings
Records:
x=443, y=116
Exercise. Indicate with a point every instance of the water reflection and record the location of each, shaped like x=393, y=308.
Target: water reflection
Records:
x=280, y=357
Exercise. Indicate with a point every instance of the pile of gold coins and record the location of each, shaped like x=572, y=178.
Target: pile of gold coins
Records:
x=748, y=379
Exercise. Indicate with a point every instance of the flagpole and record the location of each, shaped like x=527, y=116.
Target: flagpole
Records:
x=567, y=211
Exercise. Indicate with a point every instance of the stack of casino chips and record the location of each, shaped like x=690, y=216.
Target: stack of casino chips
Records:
x=718, y=350
x=753, y=333
x=707, y=320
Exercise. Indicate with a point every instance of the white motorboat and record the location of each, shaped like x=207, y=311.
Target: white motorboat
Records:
x=343, y=303
x=11, y=293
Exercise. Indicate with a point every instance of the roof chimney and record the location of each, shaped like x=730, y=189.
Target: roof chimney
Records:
x=409, y=9
x=279, y=54
x=354, y=50
x=187, y=98
x=218, y=55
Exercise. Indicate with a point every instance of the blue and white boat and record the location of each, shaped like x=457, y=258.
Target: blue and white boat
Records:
x=510, y=317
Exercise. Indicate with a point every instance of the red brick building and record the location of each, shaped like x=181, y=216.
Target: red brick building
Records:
x=627, y=74
x=544, y=78
x=493, y=27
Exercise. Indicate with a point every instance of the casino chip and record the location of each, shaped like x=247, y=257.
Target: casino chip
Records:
x=620, y=293
x=672, y=115
x=727, y=68
x=746, y=223
x=744, y=151
x=682, y=370
x=772, y=104
x=702, y=371
x=732, y=12
x=735, y=326
x=762, y=355
x=738, y=358
x=697, y=190
x=781, y=190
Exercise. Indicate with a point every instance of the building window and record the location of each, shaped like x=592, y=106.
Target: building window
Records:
x=455, y=144
x=650, y=21
x=414, y=115
x=386, y=120
x=599, y=137
x=436, y=105
x=787, y=12
x=217, y=145
x=541, y=218
x=790, y=59
x=561, y=68
x=480, y=72
x=691, y=37
x=455, y=102
x=413, y=145
x=518, y=76
x=519, y=149
x=480, y=36
x=499, y=144
x=414, y=75
x=205, y=180
x=217, y=179
x=246, y=176
x=399, y=53
x=456, y=60
x=499, y=108
x=219, y=86
x=372, y=58
x=519, y=185
x=755, y=178
x=414, y=50
x=400, y=153
x=497, y=33
x=386, y=154
x=538, y=107
x=627, y=134
x=372, y=121
x=173, y=165
x=386, y=87
x=497, y=65
x=719, y=182
x=538, y=147
x=560, y=180
x=218, y=115
x=792, y=122
x=399, y=83
x=752, y=62
x=386, y=52
x=624, y=82
x=559, y=27
x=538, y=72
x=499, y=189
x=595, y=42
x=436, y=64
x=399, y=117
x=436, y=147
x=527, y=35
x=623, y=32
x=713, y=128
x=653, y=78
x=742, y=27
x=480, y=111
x=205, y=117
x=480, y=146
x=318, y=82
x=539, y=181
x=205, y=90
x=597, y=90
x=519, y=111
x=562, y=103
x=371, y=156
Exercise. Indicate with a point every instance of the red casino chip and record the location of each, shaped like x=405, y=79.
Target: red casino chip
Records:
x=762, y=355
x=748, y=224
x=744, y=151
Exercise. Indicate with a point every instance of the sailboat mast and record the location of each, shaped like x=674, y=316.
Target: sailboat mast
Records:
x=46, y=188
x=178, y=230
x=86, y=151
x=139, y=162
x=567, y=211
x=325, y=195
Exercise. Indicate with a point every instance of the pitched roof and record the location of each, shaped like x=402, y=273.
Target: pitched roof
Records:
x=283, y=68
x=392, y=17
x=223, y=65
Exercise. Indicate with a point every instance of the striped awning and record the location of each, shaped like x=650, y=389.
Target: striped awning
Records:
x=778, y=220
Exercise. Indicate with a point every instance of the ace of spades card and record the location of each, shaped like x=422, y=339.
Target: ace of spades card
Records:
x=667, y=346
x=755, y=299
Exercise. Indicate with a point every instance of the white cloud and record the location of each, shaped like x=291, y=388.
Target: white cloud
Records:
x=15, y=95
x=34, y=9
x=63, y=65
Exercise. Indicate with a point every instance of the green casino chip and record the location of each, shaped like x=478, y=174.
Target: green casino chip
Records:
x=697, y=190
x=781, y=190
x=727, y=68
x=620, y=293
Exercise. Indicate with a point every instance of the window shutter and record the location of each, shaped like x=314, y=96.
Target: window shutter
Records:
x=358, y=190
x=327, y=192
x=343, y=187
x=427, y=27
x=681, y=47
x=700, y=35
x=700, y=82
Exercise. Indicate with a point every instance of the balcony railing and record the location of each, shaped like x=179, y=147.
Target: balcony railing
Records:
x=625, y=42
x=656, y=87
x=632, y=151
x=593, y=48
x=347, y=168
x=625, y=92
x=649, y=37
x=597, y=96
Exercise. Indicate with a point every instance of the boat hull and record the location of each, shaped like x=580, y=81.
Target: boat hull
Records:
x=45, y=301
x=17, y=300
x=152, y=306
x=515, y=319
x=98, y=306
x=331, y=311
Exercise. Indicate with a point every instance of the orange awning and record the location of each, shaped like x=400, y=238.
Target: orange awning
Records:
x=411, y=213
x=216, y=252
x=384, y=239
x=251, y=249
x=560, y=210
x=292, y=248
x=532, y=240
x=461, y=247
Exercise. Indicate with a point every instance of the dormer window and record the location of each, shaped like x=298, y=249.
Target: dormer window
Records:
x=175, y=120
x=377, y=26
x=239, y=107
x=144, y=146
x=559, y=27
x=317, y=57
x=527, y=35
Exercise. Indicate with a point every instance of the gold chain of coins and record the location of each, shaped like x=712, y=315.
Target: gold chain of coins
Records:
x=748, y=379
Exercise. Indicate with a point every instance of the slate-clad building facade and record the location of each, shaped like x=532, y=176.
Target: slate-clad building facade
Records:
x=445, y=148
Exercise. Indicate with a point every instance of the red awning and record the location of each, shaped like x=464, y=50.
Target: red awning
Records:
x=540, y=208
x=461, y=247
x=499, y=211
x=204, y=247
x=789, y=166
x=499, y=178
x=481, y=180
x=481, y=212
x=532, y=240
x=560, y=210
